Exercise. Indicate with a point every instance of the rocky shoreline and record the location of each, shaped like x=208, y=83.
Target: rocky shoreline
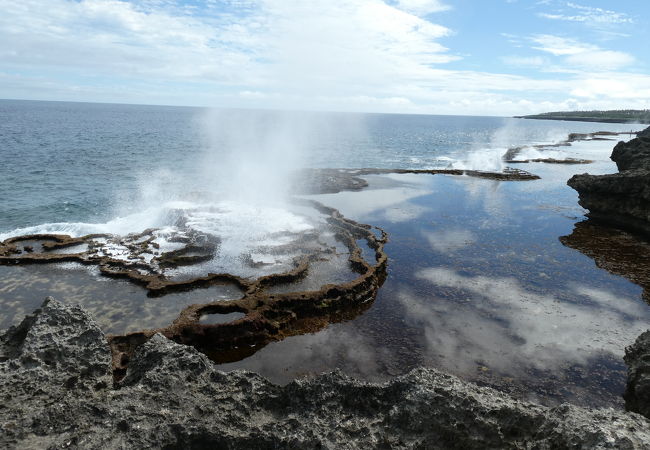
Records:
x=60, y=389
x=511, y=155
x=621, y=199
x=57, y=391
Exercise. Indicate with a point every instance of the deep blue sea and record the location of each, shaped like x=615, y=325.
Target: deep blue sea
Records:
x=85, y=162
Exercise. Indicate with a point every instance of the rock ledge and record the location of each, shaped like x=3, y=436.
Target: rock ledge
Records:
x=56, y=392
x=621, y=199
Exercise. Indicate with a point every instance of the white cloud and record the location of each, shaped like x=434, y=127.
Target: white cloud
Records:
x=614, y=87
x=422, y=7
x=601, y=59
x=578, y=54
x=353, y=55
x=590, y=16
x=560, y=46
x=525, y=61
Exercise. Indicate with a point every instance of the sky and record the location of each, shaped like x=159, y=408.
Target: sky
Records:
x=474, y=57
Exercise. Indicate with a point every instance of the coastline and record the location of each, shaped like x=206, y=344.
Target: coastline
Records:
x=183, y=380
x=585, y=119
x=174, y=397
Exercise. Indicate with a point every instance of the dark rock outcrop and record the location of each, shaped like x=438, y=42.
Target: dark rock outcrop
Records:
x=634, y=154
x=621, y=199
x=637, y=391
x=644, y=133
x=55, y=370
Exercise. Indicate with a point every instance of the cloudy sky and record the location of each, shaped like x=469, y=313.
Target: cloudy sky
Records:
x=493, y=57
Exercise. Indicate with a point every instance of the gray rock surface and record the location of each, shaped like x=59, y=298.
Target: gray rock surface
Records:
x=637, y=391
x=621, y=199
x=174, y=397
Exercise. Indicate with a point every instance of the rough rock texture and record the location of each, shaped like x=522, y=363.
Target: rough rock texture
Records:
x=54, y=384
x=634, y=154
x=637, y=391
x=621, y=199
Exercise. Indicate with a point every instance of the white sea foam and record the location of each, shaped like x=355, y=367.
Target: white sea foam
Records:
x=490, y=159
x=244, y=230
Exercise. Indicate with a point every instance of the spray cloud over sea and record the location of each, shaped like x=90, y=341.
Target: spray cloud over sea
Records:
x=237, y=190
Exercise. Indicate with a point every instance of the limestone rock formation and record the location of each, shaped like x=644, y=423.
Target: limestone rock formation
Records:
x=621, y=199
x=55, y=390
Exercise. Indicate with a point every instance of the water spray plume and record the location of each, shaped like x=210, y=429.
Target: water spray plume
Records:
x=252, y=155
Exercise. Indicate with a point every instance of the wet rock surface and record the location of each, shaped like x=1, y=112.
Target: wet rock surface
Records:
x=326, y=181
x=621, y=199
x=54, y=378
x=258, y=317
x=331, y=181
x=510, y=156
x=550, y=161
x=508, y=174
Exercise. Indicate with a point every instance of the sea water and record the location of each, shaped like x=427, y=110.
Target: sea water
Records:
x=479, y=283
x=92, y=163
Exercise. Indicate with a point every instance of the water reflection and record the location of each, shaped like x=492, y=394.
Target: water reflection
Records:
x=498, y=323
x=388, y=198
x=479, y=286
x=311, y=354
x=118, y=305
x=448, y=241
x=613, y=250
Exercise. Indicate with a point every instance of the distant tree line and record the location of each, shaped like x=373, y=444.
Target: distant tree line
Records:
x=615, y=115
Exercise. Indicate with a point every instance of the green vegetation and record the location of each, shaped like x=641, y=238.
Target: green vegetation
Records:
x=613, y=116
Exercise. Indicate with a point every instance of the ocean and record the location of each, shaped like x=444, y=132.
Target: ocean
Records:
x=486, y=279
x=83, y=162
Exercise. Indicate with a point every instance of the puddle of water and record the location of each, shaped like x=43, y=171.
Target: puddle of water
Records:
x=80, y=248
x=212, y=319
x=480, y=286
x=119, y=306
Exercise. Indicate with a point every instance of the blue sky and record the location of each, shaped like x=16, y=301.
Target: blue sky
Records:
x=493, y=57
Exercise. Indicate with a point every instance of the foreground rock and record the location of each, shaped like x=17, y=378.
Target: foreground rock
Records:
x=644, y=133
x=637, y=392
x=54, y=382
x=632, y=155
x=621, y=199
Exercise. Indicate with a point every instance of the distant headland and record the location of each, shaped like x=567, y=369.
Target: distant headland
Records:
x=612, y=116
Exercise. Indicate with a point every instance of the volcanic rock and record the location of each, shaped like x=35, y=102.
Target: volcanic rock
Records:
x=621, y=199
x=634, y=154
x=56, y=364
